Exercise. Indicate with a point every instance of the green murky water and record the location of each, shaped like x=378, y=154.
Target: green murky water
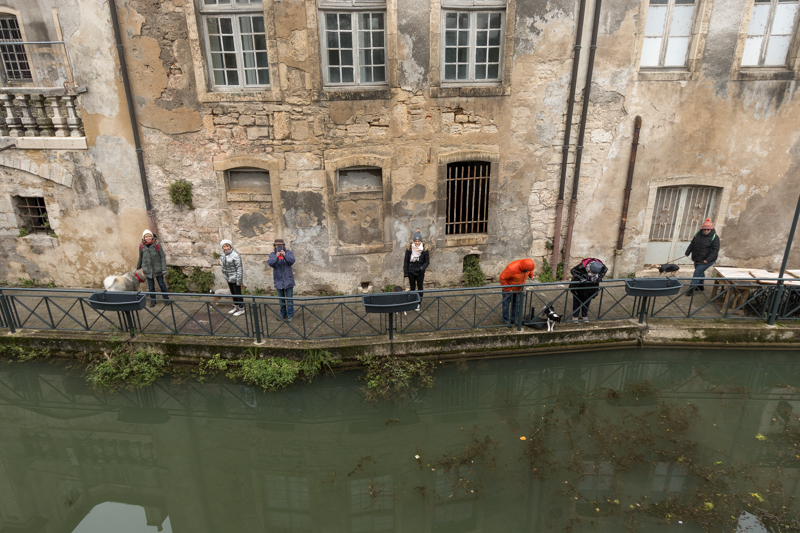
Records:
x=626, y=440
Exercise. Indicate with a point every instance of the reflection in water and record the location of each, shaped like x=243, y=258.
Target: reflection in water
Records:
x=637, y=440
x=110, y=516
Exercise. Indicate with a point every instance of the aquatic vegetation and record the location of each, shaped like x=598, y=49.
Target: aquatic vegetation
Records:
x=126, y=367
x=392, y=377
x=270, y=373
x=23, y=353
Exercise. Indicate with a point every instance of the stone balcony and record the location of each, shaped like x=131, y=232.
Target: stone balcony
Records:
x=41, y=118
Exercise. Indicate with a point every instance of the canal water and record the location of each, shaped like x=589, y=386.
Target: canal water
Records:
x=608, y=441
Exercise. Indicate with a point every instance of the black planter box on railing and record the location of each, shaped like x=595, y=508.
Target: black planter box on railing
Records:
x=652, y=287
x=390, y=302
x=117, y=301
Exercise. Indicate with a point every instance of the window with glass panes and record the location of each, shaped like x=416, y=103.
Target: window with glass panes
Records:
x=15, y=61
x=237, y=43
x=472, y=46
x=354, y=47
x=770, y=33
x=667, y=33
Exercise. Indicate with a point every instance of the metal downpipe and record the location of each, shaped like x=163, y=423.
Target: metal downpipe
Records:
x=132, y=113
x=637, y=125
x=567, y=132
x=582, y=132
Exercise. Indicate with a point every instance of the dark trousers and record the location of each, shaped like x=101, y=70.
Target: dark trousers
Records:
x=700, y=272
x=581, y=298
x=236, y=289
x=151, y=284
x=287, y=304
x=415, y=283
x=510, y=303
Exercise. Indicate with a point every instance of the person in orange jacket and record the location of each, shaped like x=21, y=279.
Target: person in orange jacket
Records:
x=516, y=273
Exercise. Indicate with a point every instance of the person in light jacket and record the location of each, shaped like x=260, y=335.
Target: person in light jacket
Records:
x=704, y=250
x=233, y=273
x=281, y=260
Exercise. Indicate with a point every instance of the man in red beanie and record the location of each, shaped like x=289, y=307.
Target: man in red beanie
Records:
x=516, y=273
x=704, y=249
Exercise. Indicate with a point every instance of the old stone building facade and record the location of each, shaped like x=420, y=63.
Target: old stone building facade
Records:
x=344, y=126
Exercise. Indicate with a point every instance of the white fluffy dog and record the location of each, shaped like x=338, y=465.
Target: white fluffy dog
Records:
x=126, y=282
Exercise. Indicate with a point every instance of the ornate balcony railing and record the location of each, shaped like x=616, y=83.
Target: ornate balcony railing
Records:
x=40, y=112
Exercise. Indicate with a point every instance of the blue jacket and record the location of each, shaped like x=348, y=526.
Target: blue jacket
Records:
x=282, y=275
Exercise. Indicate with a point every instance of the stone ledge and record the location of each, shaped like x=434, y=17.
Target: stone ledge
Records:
x=48, y=143
x=497, y=342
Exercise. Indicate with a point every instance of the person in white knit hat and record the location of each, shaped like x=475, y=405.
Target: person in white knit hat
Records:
x=153, y=262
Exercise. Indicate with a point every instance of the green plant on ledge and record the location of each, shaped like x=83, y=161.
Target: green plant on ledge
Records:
x=201, y=280
x=546, y=275
x=180, y=192
x=23, y=232
x=177, y=280
x=473, y=275
x=126, y=367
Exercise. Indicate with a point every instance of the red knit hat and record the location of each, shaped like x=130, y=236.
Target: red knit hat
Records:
x=707, y=224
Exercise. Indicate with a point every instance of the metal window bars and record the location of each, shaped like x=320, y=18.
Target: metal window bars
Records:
x=33, y=212
x=467, y=197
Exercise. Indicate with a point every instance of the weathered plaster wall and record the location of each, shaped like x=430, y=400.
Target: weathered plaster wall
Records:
x=706, y=126
x=93, y=197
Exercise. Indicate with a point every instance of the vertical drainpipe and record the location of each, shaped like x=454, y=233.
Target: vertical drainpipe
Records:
x=567, y=132
x=579, y=149
x=637, y=125
x=132, y=113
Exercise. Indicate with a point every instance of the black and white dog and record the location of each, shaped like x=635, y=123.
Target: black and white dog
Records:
x=552, y=317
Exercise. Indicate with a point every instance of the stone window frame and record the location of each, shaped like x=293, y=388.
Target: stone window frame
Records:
x=791, y=71
x=197, y=45
x=332, y=166
x=460, y=155
x=226, y=195
x=723, y=183
x=8, y=12
x=700, y=24
x=322, y=92
x=444, y=89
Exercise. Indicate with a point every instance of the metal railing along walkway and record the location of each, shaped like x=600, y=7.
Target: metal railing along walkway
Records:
x=331, y=317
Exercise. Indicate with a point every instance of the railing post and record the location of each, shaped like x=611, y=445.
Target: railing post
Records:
x=42, y=120
x=520, y=301
x=256, y=320
x=29, y=121
x=59, y=120
x=6, y=312
x=73, y=120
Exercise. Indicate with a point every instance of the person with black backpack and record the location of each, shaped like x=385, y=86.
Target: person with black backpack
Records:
x=588, y=274
x=153, y=262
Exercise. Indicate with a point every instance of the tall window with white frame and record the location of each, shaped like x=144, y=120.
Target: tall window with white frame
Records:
x=769, y=35
x=353, y=40
x=16, y=67
x=236, y=44
x=667, y=33
x=472, y=41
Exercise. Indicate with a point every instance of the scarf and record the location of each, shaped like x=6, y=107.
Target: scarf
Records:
x=415, y=252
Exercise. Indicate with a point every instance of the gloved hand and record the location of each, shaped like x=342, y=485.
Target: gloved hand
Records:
x=164, y=273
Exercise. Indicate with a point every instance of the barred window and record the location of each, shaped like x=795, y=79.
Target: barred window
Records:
x=770, y=32
x=467, y=197
x=472, y=46
x=33, y=213
x=353, y=47
x=15, y=60
x=236, y=44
